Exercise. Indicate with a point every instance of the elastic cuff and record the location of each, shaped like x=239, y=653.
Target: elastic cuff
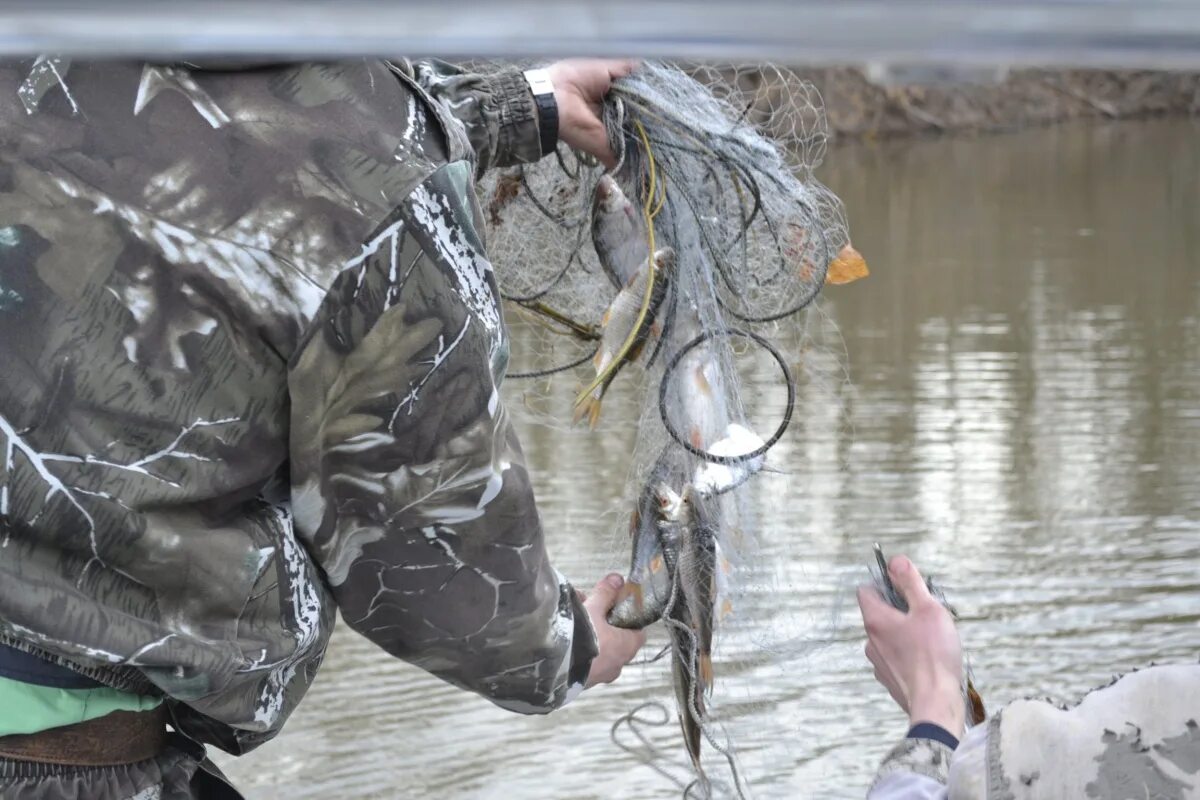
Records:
x=518, y=140
x=928, y=730
x=584, y=645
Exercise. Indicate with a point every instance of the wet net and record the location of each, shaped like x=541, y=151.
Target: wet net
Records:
x=664, y=279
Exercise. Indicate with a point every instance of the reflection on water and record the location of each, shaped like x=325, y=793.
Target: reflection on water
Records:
x=1020, y=411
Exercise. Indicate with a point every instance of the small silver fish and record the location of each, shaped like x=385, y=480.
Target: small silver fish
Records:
x=685, y=677
x=647, y=589
x=618, y=232
x=690, y=614
x=698, y=578
x=627, y=326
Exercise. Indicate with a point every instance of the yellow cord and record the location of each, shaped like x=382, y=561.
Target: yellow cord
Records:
x=652, y=171
x=652, y=276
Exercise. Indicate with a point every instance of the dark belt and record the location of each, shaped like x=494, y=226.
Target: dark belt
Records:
x=28, y=668
x=122, y=737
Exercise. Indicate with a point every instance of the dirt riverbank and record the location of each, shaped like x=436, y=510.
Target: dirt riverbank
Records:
x=863, y=104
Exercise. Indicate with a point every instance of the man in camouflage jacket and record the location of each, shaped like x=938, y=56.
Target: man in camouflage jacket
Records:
x=251, y=349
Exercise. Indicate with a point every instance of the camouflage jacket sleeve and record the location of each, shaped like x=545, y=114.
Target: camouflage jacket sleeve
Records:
x=496, y=109
x=1137, y=737
x=915, y=769
x=409, y=484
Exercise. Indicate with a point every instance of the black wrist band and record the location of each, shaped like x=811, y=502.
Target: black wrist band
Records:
x=542, y=88
x=547, y=122
x=928, y=730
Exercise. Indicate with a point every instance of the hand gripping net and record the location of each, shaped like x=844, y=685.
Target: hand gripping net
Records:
x=719, y=162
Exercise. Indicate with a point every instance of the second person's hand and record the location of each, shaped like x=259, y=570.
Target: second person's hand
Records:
x=917, y=656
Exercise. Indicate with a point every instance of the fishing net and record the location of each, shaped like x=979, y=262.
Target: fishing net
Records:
x=715, y=179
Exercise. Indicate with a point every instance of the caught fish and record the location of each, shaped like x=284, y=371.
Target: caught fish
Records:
x=688, y=520
x=698, y=578
x=647, y=589
x=618, y=233
x=712, y=479
x=626, y=327
x=976, y=713
x=689, y=697
x=700, y=388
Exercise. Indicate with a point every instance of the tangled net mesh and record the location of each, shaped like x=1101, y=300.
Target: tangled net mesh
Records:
x=718, y=164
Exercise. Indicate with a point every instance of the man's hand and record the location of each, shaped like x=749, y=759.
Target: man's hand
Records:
x=617, y=645
x=579, y=89
x=917, y=656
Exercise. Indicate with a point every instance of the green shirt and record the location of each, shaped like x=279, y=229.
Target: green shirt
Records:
x=28, y=708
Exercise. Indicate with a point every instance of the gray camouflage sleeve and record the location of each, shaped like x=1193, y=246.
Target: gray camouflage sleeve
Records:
x=496, y=109
x=409, y=484
x=915, y=769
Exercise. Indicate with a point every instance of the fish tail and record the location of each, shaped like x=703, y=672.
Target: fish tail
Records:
x=706, y=671
x=581, y=410
x=593, y=413
x=588, y=403
x=589, y=408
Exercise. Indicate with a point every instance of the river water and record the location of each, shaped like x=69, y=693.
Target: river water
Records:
x=1014, y=401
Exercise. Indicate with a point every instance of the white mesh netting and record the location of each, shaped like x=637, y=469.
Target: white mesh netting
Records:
x=715, y=176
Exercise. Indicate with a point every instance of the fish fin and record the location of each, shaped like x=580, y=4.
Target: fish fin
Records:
x=706, y=672
x=849, y=266
x=606, y=317
x=588, y=406
x=632, y=589
x=702, y=382
x=656, y=329
x=635, y=520
x=975, y=704
x=794, y=240
x=691, y=739
x=726, y=608
x=696, y=439
x=656, y=564
x=593, y=413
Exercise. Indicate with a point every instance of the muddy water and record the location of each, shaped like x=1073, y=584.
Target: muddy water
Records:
x=1019, y=411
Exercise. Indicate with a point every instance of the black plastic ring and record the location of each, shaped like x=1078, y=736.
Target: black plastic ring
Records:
x=673, y=364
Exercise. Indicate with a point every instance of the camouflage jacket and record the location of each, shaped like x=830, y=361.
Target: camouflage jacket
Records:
x=251, y=348
x=1138, y=737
